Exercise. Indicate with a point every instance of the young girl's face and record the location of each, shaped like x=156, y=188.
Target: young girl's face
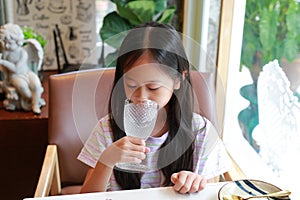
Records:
x=146, y=80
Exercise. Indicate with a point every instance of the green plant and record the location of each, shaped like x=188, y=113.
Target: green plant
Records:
x=271, y=31
x=129, y=14
x=31, y=33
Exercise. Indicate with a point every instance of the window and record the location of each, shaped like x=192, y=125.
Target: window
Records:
x=241, y=148
x=102, y=8
x=201, y=26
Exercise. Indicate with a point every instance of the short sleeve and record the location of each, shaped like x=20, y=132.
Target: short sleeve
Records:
x=210, y=157
x=217, y=161
x=95, y=144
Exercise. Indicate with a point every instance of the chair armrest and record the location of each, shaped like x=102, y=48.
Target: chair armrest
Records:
x=234, y=172
x=49, y=180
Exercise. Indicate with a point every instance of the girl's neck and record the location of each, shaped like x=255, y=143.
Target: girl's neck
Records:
x=161, y=126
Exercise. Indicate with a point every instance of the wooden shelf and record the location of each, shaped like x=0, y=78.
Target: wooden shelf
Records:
x=23, y=142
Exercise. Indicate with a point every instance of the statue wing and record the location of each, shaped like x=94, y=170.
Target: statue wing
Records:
x=35, y=53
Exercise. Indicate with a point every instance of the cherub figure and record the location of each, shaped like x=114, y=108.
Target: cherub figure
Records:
x=22, y=87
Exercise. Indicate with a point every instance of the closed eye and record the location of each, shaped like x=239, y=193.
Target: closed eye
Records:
x=153, y=87
x=130, y=83
x=131, y=86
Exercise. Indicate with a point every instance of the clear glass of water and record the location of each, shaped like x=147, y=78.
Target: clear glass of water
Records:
x=139, y=121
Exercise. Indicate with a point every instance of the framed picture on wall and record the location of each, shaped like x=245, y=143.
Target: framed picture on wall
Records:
x=75, y=20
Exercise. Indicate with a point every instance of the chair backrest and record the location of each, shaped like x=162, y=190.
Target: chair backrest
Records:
x=77, y=100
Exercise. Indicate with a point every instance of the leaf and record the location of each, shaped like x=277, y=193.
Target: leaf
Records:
x=251, y=44
x=160, y=5
x=277, y=30
x=277, y=51
x=143, y=10
x=291, y=20
x=114, y=29
x=290, y=48
x=125, y=12
x=290, y=42
x=111, y=59
x=29, y=33
x=129, y=14
x=167, y=15
x=249, y=51
x=121, y=2
x=268, y=28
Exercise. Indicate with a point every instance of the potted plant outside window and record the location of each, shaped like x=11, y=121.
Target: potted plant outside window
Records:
x=271, y=31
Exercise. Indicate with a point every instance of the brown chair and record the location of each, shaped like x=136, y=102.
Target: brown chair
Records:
x=77, y=100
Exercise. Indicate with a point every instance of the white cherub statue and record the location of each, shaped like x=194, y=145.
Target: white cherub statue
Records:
x=22, y=87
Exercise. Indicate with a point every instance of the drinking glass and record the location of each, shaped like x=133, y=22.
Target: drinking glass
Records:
x=139, y=121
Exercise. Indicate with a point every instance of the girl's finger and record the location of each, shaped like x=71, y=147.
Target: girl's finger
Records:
x=195, y=186
x=135, y=140
x=202, y=184
x=139, y=142
x=174, y=178
x=134, y=154
x=186, y=187
x=131, y=144
x=181, y=177
x=131, y=159
x=188, y=182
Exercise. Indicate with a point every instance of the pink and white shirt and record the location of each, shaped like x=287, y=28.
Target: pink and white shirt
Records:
x=210, y=157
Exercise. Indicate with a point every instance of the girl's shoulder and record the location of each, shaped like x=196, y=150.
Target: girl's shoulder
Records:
x=198, y=122
x=202, y=126
x=104, y=123
x=105, y=119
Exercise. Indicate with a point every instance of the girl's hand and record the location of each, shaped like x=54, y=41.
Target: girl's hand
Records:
x=127, y=149
x=187, y=182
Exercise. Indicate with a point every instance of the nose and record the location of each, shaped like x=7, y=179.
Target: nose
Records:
x=139, y=95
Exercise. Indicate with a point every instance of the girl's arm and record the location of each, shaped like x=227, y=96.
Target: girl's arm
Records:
x=97, y=178
x=126, y=149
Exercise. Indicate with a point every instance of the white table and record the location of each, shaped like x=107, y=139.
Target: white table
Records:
x=210, y=192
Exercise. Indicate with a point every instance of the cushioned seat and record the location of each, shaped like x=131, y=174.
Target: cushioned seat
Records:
x=77, y=100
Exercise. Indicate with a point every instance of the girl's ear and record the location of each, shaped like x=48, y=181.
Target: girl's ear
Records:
x=184, y=74
x=177, y=83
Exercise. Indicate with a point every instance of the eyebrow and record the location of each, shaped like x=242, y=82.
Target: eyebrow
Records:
x=127, y=77
x=151, y=81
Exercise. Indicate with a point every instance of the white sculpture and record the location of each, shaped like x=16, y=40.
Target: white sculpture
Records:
x=22, y=87
x=278, y=131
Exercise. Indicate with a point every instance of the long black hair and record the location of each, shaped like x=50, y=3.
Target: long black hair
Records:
x=164, y=45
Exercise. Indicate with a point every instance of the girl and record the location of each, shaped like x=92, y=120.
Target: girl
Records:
x=151, y=65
